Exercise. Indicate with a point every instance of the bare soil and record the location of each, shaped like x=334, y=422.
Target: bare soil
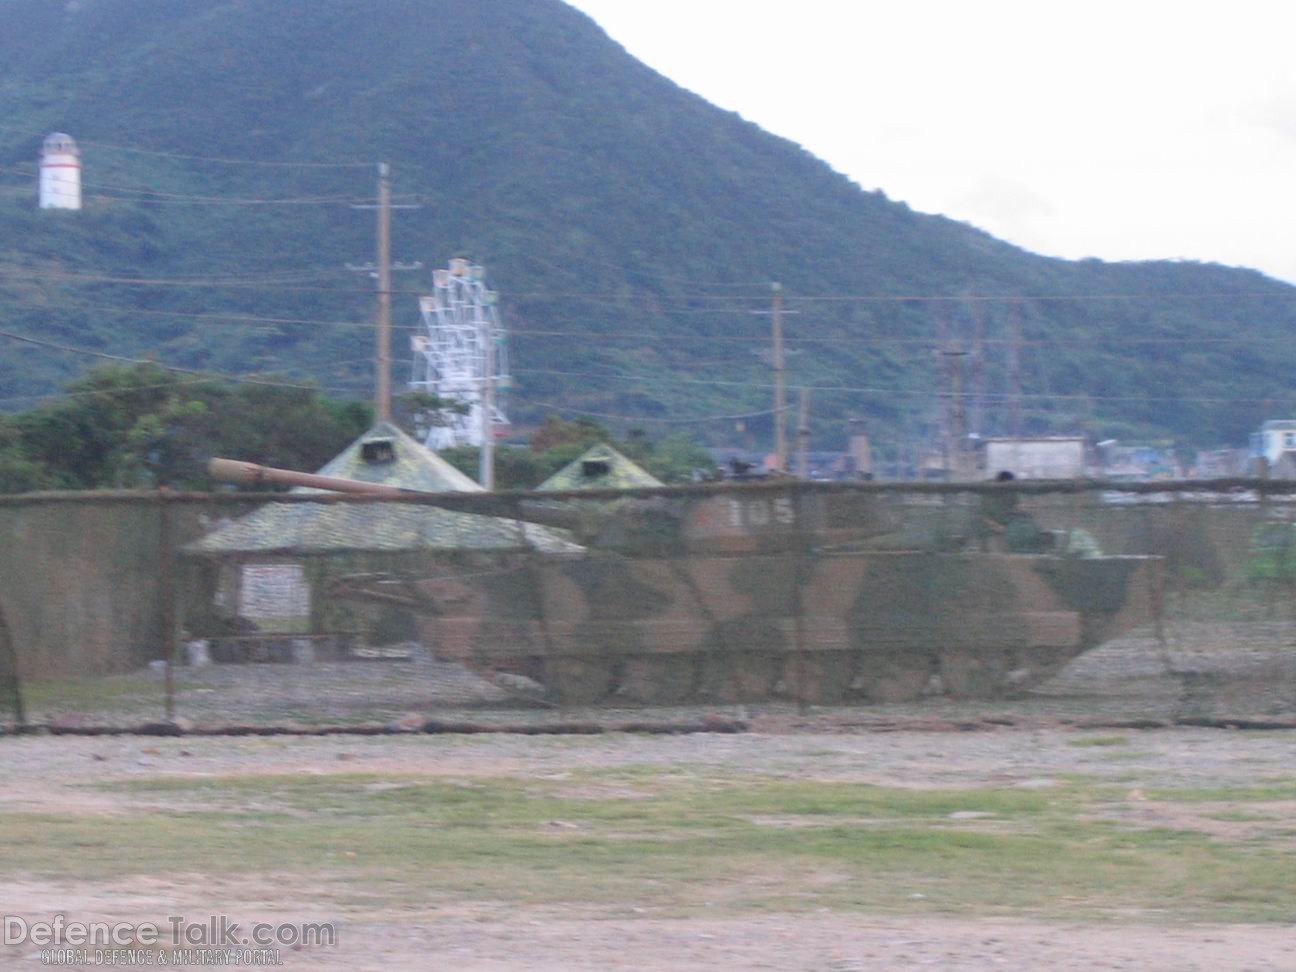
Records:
x=66, y=776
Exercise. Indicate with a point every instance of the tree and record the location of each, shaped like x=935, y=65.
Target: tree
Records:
x=515, y=468
x=19, y=473
x=142, y=426
x=672, y=459
x=675, y=458
x=581, y=432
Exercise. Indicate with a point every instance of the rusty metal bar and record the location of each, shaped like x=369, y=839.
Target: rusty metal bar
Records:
x=10, y=662
x=486, y=503
x=167, y=599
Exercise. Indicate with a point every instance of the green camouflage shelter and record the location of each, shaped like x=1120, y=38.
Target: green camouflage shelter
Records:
x=271, y=569
x=600, y=467
x=387, y=456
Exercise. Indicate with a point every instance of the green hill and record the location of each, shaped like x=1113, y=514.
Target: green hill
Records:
x=633, y=218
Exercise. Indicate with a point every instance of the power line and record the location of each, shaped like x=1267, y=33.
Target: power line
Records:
x=146, y=195
x=205, y=283
x=105, y=391
x=914, y=298
x=247, y=319
x=917, y=341
x=233, y=201
x=269, y=278
x=203, y=375
x=641, y=418
x=125, y=359
x=760, y=340
x=895, y=391
x=653, y=274
x=622, y=298
x=202, y=158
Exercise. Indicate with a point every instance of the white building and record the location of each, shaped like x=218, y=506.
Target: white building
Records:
x=1275, y=442
x=60, y=173
x=1045, y=457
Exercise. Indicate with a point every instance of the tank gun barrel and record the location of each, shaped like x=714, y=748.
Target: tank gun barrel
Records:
x=252, y=474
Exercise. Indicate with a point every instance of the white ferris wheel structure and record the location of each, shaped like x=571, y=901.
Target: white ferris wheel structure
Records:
x=459, y=351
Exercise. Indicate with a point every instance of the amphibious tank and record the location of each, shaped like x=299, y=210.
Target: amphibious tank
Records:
x=727, y=593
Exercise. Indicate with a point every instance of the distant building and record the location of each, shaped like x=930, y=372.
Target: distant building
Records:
x=60, y=173
x=1221, y=463
x=1045, y=457
x=1275, y=443
x=931, y=466
x=1136, y=462
x=859, y=451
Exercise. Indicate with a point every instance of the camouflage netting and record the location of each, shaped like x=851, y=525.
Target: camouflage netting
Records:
x=599, y=467
x=1013, y=600
x=383, y=456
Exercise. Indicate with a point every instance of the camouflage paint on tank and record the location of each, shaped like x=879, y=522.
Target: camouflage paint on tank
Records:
x=751, y=595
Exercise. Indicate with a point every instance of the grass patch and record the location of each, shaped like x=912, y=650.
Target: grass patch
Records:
x=1240, y=816
x=1284, y=790
x=673, y=842
x=141, y=692
x=1100, y=741
x=670, y=801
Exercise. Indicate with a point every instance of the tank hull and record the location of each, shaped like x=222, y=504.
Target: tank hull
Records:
x=834, y=627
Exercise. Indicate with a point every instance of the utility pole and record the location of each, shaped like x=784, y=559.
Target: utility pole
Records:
x=942, y=345
x=803, y=435
x=381, y=270
x=956, y=433
x=382, y=355
x=977, y=391
x=1014, y=372
x=486, y=474
x=780, y=377
x=778, y=363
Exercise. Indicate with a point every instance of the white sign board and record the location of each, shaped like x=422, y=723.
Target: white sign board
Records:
x=274, y=591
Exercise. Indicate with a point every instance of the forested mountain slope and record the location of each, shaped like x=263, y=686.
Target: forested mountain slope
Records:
x=631, y=227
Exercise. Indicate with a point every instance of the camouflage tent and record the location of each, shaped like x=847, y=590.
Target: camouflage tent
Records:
x=384, y=455
x=600, y=467
x=275, y=571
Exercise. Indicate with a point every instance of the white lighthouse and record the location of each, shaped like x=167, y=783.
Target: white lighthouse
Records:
x=60, y=173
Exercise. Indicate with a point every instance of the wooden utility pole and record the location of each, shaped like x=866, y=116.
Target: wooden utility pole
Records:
x=803, y=435
x=382, y=353
x=1014, y=372
x=780, y=377
x=978, y=383
x=486, y=475
x=956, y=430
x=381, y=271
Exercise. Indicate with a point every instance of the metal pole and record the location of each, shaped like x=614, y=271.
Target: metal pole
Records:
x=487, y=476
x=956, y=433
x=9, y=662
x=946, y=418
x=780, y=396
x=803, y=435
x=167, y=599
x=976, y=417
x=1014, y=373
x=382, y=363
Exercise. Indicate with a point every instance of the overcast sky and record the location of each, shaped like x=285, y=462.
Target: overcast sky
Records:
x=1121, y=129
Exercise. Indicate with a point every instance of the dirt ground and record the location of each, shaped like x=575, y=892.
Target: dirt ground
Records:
x=70, y=778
